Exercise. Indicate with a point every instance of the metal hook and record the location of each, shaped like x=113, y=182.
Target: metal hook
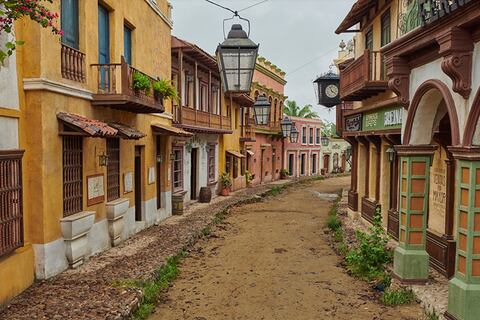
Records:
x=241, y=18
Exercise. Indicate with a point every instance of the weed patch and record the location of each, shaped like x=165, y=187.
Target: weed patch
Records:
x=432, y=315
x=275, y=191
x=396, y=297
x=206, y=231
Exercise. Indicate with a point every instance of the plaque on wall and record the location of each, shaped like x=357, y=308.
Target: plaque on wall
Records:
x=353, y=123
x=95, y=189
x=128, y=182
x=151, y=175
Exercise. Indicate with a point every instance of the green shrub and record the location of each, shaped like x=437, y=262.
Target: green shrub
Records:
x=141, y=81
x=225, y=180
x=166, y=89
x=369, y=258
x=333, y=222
x=396, y=297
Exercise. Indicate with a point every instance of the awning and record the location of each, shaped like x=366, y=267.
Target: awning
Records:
x=355, y=15
x=126, y=132
x=251, y=153
x=90, y=127
x=265, y=145
x=166, y=130
x=235, y=154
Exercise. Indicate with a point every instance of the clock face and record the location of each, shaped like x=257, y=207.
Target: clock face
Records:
x=331, y=91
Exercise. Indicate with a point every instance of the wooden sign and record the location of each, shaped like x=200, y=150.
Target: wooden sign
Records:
x=432, y=10
x=95, y=189
x=151, y=175
x=353, y=123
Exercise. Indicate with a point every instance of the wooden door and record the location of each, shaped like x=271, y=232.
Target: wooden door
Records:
x=159, y=176
x=291, y=163
x=138, y=183
x=193, y=175
x=103, y=44
x=326, y=162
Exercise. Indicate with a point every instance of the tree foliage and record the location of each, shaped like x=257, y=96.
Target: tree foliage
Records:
x=12, y=10
x=294, y=110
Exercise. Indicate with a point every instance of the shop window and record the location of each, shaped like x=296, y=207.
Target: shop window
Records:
x=113, y=169
x=177, y=169
x=11, y=214
x=211, y=163
x=72, y=175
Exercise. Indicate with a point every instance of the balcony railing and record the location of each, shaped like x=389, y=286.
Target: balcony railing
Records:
x=364, y=77
x=200, y=120
x=115, y=89
x=248, y=131
x=73, y=64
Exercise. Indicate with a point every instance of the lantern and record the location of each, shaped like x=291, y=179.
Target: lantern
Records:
x=294, y=135
x=236, y=58
x=286, y=125
x=103, y=160
x=261, y=109
x=325, y=141
x=391, y=154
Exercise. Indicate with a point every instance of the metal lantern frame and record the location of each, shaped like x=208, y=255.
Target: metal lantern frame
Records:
x=261, y=111
x=236, y=58
x=294, y=133
x=391, y=154
x=286, y=124
x=325, y=141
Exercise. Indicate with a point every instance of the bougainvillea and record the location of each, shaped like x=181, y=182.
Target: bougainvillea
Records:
x=11, y=10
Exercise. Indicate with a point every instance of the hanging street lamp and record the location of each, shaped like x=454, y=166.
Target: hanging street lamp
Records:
x=236, y=58
x=325, y=141
x=294, y=135
x=286, y=125
x=391, y=154
x=261, y=110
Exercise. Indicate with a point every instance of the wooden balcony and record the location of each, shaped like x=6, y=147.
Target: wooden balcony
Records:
x=364, y=77
x=200, y=121
x=248, y=131
x=73, y=63
x=115, y=89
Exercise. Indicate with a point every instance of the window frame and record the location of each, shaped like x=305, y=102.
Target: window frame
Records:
x=311, y=136
x=76, y=207
x=113, y=169
x=177, y=185
x=128, y=30
x=73, y=16
x=304, y=135
x=211, y=162
x=318, y=136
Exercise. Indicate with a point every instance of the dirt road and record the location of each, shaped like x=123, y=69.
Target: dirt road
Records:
x=270, y=260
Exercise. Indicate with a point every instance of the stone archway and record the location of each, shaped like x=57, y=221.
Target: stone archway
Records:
x=471, y=135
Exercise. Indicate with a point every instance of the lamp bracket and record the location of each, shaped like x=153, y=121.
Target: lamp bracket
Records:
x=235, y=14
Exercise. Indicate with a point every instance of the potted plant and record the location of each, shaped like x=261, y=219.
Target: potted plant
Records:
x=284, y=173
x=141, y=83
x=248, y=177
x=226, y=182
x=164, y=89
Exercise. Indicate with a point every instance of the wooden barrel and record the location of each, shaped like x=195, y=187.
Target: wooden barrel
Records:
x=205, y=195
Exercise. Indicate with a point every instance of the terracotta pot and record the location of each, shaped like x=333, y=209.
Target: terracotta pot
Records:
x=225, y=192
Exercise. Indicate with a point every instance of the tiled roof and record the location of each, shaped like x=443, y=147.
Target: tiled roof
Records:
x=170, y=131
x=127, y=132
x=94, y=128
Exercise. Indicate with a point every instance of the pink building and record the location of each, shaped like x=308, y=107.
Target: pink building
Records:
x=303, y=157
x=263, y=145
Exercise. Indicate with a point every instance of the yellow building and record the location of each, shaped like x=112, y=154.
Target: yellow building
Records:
x=96, y=167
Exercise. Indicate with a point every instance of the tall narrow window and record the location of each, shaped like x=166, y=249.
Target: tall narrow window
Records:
x=113, y=169
x=318, y=136
x=211, y=162
x=304, y=135
x=103, y=35
x=177, y=169
x=386, y=28
x=310, y=141
x=127, y=44
x=69, y=22
x=72, y=175
x=11, y=214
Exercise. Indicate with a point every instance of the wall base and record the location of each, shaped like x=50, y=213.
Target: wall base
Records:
x=410, y=265
x=463, y=300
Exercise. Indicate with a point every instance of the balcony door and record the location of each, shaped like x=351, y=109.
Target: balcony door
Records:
x=104, y=45
x=369, y=47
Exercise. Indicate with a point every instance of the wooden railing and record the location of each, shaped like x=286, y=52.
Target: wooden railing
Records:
x=365, y=70
x=73, y=63
x=196, y=118
x=117, y=79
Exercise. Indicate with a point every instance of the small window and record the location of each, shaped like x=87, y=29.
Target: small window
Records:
x=386, y=28
x=235, y=167
x=177, y=169
x=11, y=214
x=127, y=44
x=228, y=164
x=311, y=138
x=211, y=162
x=304, y=135
x=204, y=97
x=72, y=175
x=69, y=23
x=318, y=136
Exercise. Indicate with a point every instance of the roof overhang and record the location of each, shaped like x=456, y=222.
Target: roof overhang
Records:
x=355, y=15
x=235, y=154
x=166, y=130
x=126, y=132
x=80, y=125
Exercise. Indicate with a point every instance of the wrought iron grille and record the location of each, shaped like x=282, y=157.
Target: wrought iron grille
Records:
x=72, y=175
x=113, y=169
x=11, y=211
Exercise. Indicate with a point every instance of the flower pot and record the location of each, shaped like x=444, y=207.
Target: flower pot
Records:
x=158, y=96
x=225, y=192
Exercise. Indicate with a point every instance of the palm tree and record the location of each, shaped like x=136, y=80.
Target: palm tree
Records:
x=294, y=110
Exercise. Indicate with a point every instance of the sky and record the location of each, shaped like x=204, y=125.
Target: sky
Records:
x=296, y=35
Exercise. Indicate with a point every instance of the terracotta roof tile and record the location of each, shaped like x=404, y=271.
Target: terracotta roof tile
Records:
x=94, y=128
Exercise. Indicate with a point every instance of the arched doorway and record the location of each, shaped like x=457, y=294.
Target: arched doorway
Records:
x=432, y=121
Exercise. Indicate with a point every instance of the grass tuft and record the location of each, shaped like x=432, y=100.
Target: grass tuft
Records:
x=206, y=231
x=396, y=297
x=432, y=315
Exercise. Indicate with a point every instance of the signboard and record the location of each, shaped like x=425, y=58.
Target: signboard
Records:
x=438, y=191
x=432, y=10
x=387, y=118
x=128, y=182
x=353, y=123
x=95, y=189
